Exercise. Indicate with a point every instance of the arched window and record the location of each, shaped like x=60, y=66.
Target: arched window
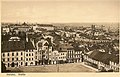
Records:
x=26, y=64
x=8, y=54
x=12, y=54
x=17, y=53
x=17, y=64
x=3, y=54
x=21, y=63
x=21, y=53
x=31, y=63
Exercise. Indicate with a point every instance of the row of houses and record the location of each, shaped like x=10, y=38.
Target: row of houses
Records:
x=102, y=60
x=16, y=52
x=56, y=47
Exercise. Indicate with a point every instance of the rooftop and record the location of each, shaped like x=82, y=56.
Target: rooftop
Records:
x=16, y=46
x=103, y=56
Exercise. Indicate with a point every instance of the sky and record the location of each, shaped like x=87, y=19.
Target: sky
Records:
x=55, y=11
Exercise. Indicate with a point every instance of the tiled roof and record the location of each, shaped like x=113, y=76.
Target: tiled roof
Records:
x=29, y=45
x=15, y=46
x=64, y=47
x=103, y=57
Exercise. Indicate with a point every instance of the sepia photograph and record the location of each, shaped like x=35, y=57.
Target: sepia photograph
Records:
x=76, y=36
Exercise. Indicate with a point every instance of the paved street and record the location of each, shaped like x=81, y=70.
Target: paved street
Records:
x=76, y=67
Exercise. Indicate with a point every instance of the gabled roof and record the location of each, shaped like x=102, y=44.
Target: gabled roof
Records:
x=46, y=44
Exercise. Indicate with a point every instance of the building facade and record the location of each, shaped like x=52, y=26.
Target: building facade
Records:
x=16, y=53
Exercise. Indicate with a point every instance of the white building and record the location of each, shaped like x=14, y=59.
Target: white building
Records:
x=44, y=50
x=62, y=56
x=54, y=57
x=43, y=26
x=17, y=53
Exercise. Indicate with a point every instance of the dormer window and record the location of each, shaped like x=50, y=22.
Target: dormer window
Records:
x=14, y=39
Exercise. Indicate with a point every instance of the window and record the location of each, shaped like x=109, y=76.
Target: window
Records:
x=21, y=63
x=8, y=59
x=17, y=53
x=26, y=59
x=36, y=57
x=32, y=58
x=8, y=64
x=17, y=58
x=60, y=48
x=21, y=53
x=29, y=55
x=12, y=54
x=26, y=54
x=3, y=54
x=32, y=54
x=31, y=63
x=21, y=58
x=8, y=54
x=29, y=58
x=17, y=64
x=12, y=59
x=3, y=59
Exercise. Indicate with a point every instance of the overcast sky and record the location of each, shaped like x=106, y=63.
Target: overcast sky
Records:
x=60, y=11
